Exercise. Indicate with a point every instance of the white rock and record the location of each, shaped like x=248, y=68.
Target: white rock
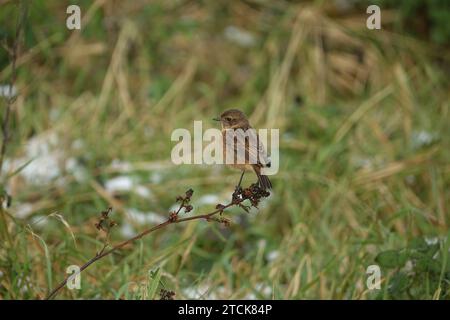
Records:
x=8, y=91
x=239, y=36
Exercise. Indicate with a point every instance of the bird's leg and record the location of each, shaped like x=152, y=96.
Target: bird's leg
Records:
x=237, y=192
x=240, y=180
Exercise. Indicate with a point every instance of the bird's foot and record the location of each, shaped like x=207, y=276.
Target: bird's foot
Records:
x=237, y=194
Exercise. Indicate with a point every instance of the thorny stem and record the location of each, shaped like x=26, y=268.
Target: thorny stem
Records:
x=169, y=221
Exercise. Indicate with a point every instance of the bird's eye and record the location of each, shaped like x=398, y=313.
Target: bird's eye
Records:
x=228, y=119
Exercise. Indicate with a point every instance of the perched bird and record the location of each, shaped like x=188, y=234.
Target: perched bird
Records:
x=248, y=144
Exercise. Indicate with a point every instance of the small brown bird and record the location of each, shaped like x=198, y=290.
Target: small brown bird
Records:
x=234, y=119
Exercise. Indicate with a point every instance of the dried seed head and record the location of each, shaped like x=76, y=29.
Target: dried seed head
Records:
x=189, y=194
x=173, y=217
x=104, y=222
x=226, y=222
x=106, y=212
x=166, y=294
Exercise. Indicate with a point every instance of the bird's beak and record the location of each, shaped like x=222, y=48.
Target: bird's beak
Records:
x=216, y=119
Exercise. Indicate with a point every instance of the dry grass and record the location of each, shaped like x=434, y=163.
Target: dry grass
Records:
x=363, y=117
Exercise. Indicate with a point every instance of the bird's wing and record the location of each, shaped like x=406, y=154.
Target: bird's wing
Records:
x=259, y=153
x=248, y=139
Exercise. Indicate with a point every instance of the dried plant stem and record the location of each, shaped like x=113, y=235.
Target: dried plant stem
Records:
x=11, y=99
x=104, y=253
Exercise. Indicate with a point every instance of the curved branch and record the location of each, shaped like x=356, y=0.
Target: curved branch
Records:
x=253, y=193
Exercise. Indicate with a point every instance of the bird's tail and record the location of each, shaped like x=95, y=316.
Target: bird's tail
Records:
x=264, y=181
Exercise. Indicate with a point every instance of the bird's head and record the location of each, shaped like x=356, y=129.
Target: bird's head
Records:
x=233, y=119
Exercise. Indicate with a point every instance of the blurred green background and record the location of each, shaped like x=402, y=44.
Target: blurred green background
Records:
x=364, y=148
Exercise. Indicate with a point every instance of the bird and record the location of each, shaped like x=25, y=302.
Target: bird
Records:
x=234, y=119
